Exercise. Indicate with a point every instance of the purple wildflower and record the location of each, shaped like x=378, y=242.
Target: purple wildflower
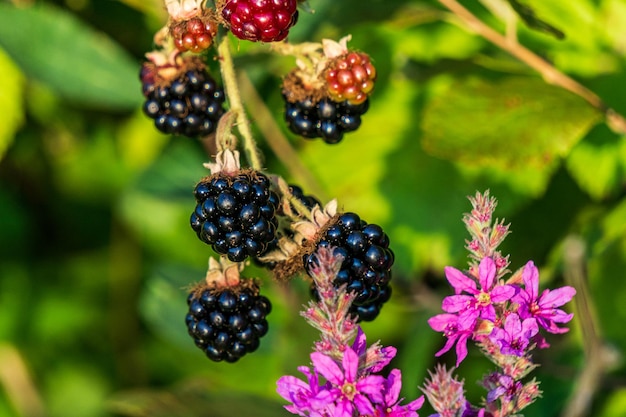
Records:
x=543, y=308
x=299, y=393
x=347, y=389
x=390, y=407
x=516, y=334
x=479, y=302
x=503, y=386
x=374, y=358
x=454, y=331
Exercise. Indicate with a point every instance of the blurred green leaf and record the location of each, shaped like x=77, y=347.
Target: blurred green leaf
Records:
x=515, y=122
x=602, y=151
x=164, y=301
x=81, y=64
x=11, y=101
x=193, y=399
x=531, y=19
x=615, y=404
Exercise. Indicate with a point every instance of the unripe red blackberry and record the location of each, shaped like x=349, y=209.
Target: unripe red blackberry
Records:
x=182, y=97
x=235, y=214
x=195, y=34
x=366, y=268
x=259, y=20
x=350, y=77
x=226, y=323
x=324, y=119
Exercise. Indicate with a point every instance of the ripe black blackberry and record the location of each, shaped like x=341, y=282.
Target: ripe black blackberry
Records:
x=227, y=323
x=324, y=119
x=182, y=101
x=235, y=214
x=366, y=268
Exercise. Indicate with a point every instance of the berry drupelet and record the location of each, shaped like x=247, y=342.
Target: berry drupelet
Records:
x=366, y=268
x=324, y=119
x=182, y=100
x=235, y=214
x=195, y=34
x=229, y=322
x=259, y=20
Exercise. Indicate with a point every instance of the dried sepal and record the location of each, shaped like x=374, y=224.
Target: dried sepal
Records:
x=226, y=162
x=184, y=9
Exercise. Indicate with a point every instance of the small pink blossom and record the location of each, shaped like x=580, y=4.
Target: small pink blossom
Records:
x=479, y=302
x=543, y=308
x=515, y=337
x=455, y=332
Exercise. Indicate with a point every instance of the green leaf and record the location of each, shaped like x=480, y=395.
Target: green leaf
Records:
x=513, y=123
x=193, y=399
x=601, y=150
x=529, y=17
x=11, y=90
x=73, y=59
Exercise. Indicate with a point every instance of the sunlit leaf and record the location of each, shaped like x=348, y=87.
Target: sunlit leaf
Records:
x=72, y=58
x=11, y=101
x=513, y=122
x=595, y=164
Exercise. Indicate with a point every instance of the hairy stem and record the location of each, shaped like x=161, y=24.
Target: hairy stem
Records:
x=549, y=73
x=234, y=99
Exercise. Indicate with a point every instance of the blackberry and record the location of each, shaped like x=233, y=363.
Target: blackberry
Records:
x=260, y=20
x=324, y=119
x=227, y=323
x=366, y=268
x=190, y=104
x=235, y=214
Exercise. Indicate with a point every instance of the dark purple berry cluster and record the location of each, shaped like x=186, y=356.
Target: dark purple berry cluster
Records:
x=366, y=268
x=190, y=105
x=227, y=324
x=235, y=214
x=324, y=119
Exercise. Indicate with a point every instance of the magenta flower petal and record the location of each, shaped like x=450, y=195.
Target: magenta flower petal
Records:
x=327, y=367
x=486, y=273
x=440, y=322
x=502, y=293
x=530, y=276
x=350, y=364
x=364, y=405
x=372, y=385
x=556, y=298
x=456, y=303
x=394, y=385
x=459, y=281
x=461, y=349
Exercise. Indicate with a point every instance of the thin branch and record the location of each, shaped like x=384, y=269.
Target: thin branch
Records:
x=549, y=73
x=234, y=99
x=599, y=356
x=276, y=140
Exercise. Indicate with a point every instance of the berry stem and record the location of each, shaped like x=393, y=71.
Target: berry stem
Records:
x=234, y=98
x=550, y=74
x=276, y=140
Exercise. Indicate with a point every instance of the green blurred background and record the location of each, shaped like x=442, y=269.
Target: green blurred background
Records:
x=96, y=249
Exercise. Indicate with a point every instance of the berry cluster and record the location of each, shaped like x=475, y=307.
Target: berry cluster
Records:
x=324, y=119
x=195, y=34
x=227, y=324
x=366, y=266
x=235, y=214
x=190, y=104
x=350, y=77
x=260, y=20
